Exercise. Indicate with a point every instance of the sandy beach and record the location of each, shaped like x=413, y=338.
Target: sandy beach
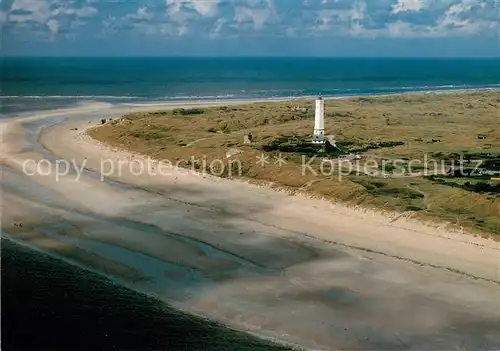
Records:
x=303, y=271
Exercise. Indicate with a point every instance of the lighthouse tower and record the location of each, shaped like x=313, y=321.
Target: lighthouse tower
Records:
x=319, y=122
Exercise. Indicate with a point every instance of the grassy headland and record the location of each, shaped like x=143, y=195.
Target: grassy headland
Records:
x=395, y=134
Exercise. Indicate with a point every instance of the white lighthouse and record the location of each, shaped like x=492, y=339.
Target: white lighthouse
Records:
x=319, y=122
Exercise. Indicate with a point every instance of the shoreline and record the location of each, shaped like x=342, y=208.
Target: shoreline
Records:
x=382, y=216
x=209, y=101
x=193, y=218
x=106, y=284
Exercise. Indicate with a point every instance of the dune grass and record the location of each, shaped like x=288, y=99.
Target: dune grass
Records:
x=439, y=127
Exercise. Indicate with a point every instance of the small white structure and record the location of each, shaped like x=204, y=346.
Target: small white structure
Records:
x=247, y=139
x=319, y=122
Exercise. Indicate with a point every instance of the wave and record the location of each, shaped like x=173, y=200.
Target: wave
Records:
x=270, y=93
x=69, y=97
x=189, y=97
x=437, y=87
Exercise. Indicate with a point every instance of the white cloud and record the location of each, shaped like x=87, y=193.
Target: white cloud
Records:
x=255, y=15
x=82, y=12
x=182, y=30
x=143, y=21
x=48, y=18
x=455, y=19
x=408, y=5
x=205, y=8
x=229, y=18
x=217, y=28
x=142, y=14
x=174, y=7
x=258, y=17
x=182, y=13
x=342, y=21
x=358, y=11
x=30, y=10
x=452, y=21
x=441, y=18
x=451, y=16
x=53, y=26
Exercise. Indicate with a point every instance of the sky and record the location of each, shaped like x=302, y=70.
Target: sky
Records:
x=448, y=28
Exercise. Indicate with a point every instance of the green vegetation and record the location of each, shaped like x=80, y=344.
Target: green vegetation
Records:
x=395, y=129
x=303, y=146
x=188, y=111
x=477, y=185
x=374, y=146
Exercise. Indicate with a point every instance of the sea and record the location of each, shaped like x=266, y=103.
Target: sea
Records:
x=46, y=83
x=48, y=304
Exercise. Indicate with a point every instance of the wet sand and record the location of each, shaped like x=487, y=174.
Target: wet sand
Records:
x=51, y=305
x=304, y=271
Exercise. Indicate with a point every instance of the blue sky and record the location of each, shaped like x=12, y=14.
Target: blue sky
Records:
x=251, y=27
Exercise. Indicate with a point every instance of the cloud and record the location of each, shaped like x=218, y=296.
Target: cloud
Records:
x=205, y=8
x=144, y=20
x=53, y=26
x=255, y=17
x=217, y=28
x=141, y=15
x=49, y=17
x=407, y=5
x=408, y=18
x=266, y=18
x=30, y=10
x=82, y=12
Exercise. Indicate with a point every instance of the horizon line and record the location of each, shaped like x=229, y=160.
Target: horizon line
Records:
x=259, y=56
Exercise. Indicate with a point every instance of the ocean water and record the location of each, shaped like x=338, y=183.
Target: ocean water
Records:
x=45, y=83
x=48, y=304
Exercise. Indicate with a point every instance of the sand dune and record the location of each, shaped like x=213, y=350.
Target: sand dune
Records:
x=304, y=271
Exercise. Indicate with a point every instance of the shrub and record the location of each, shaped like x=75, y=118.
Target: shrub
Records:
x=413, y=208
x=344, y=143
x=329, y=147
x=481, y=187
x=188, y=111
